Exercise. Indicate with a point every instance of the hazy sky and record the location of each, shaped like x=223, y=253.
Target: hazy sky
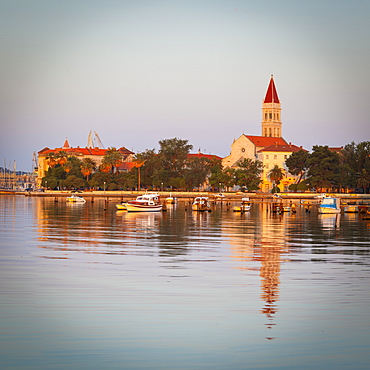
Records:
x=139, y=71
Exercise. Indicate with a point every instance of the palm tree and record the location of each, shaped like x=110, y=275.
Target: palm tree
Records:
x=51, y=159
x=363, y=179
x=61, y=157
x=87, y=167
x=276, y=174
x=112, y=159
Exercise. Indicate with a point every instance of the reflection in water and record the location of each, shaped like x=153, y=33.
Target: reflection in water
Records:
x=164, y=289
x=329, y=221
x=264, y=241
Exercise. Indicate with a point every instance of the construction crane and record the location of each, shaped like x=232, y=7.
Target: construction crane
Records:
x=34, y=162
x=91, y=141
x=100, y=144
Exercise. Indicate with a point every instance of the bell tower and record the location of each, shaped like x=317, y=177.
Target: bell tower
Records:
x=271, y=112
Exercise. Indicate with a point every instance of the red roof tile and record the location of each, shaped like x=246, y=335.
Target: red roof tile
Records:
x=201, y=155
x=282, y=148
x=271, y=94
x=264, y=141
x=84, y=151
x=127, y=166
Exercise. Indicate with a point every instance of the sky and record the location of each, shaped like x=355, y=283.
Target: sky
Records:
x=140, y=71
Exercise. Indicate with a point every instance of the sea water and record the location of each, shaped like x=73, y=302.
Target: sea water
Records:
x=87, y=286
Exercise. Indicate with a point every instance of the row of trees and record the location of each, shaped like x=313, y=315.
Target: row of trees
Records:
x=324, y=169
x=172, y=168
x=169, y=168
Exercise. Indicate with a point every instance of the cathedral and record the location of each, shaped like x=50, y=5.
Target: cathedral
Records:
x=270, y=148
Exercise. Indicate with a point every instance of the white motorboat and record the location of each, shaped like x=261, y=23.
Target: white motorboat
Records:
x=329, y=205
x=148, y=202
x=201, y=204
x=76, y=199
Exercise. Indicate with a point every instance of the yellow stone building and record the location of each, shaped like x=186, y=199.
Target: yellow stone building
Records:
x=276, y=155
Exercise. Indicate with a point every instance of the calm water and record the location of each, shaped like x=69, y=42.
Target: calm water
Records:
x=84, y=287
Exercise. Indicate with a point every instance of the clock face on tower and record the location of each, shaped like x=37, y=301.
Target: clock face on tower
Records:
x=243, y=150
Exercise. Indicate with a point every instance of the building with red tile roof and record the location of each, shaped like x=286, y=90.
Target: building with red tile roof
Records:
x=247, y=146
x=95, y=153
x=276, y=155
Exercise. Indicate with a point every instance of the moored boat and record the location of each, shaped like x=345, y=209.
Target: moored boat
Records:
x=75, y=199
x=121, y=206
x=148, y=202
x=171, y=199
x=244, y=206
x=329, y=205
x=351, y=209
x=201, y=204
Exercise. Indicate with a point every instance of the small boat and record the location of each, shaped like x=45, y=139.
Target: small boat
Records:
x=245, y=206
x=171, y=199
x=75, y=198
x=148, y=202
x=201, y=204
x=121, y=206
x=329, y=205
x=351, y=209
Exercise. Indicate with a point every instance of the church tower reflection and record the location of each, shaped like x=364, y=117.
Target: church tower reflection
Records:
x=267, y=248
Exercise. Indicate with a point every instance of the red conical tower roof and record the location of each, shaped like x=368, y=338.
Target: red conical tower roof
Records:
x=66, y=144
x=271, y=93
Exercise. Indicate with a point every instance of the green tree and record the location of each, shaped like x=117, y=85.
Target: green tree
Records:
x=216, y=173
x=323, y=168
x=356, y=157
x=73, y=182
x=228, y=179
x=148, y=168
x=297, y=164
x=173, y=154
x=111, y=160
x=197, y=171
x=99, y=178
x=248, y=174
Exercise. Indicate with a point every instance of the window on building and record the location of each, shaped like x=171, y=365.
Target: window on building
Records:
x=267, y=156
x=285, y=156
x=275, y=156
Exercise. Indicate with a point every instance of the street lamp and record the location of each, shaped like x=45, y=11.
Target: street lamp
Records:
x=104, y=186
x=162, y=185
x=46, y=184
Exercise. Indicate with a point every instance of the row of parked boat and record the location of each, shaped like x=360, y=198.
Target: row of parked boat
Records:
x=150, y=202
